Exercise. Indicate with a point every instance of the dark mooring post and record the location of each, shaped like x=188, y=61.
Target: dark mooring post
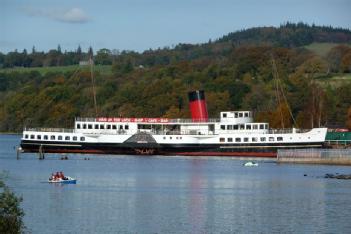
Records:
x=18, y=152
x=41, y=153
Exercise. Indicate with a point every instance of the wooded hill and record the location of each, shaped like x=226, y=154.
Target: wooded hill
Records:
x=236, y=72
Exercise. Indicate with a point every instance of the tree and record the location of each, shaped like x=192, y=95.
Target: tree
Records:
x=90, y=52
x=10, y=212
x=345, y=65
x=103, y=57
x=59, y=49
x=335, y=56
x=348, y=120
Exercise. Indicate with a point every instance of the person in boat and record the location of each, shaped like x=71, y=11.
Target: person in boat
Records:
x=62, y=176
x=57, y=175
x=52, y=177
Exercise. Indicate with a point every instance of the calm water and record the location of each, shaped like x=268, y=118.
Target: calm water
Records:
x=131, y=194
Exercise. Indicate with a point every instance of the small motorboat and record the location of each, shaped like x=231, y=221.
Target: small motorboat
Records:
x=250, y=164
x=64, y=180
x=59, y=177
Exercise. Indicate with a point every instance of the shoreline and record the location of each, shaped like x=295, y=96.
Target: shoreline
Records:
x=10, y=133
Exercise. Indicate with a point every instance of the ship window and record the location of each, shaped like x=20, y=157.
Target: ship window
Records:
x=266, y=126
x=230, y=127
x=255, y=126
x=164, y=138
x=59, y=138
x=170, y=138
x=45, y=137
x=254, y=139
x=180, y=138
x=237, y=139
x=102, y=126
x=114, y=126
x=31, y=136
x=236, y=127
x=236, y=115
x=126, y=127
x=74, y=138
x=230, y=139
x=82, y=138
x=39, y=137
x=90, y=126
x=271, y=139
x=242, y=126
x=246, y=139
x=26, y=136
x=223, y=127
x=78, y=126
x=121, y=127
x=52, y=137
x=279, y=138
x=263, y=139
x=261, y=126
x=222, y=139
x=84, y=126
x=96, y=126
x=67, y=138
x=108, y=126
x=224, y=115
x=248, y=126
x=246, y=114
x=240, y=114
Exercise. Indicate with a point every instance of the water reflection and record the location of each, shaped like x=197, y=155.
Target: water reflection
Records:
x=176, y=195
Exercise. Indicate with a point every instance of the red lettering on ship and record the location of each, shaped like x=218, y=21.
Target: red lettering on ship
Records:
x=133, y=120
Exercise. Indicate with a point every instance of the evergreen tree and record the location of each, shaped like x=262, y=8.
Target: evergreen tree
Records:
x=10, y=212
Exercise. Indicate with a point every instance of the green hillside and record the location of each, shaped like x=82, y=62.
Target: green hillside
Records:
x=321, y=49
x=235, y=71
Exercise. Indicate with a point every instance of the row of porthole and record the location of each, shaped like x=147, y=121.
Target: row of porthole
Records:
x=52, y=137
x=238, y=115
x=246, y=139
x=244, y=127
x=177, y=138
x=102, y=126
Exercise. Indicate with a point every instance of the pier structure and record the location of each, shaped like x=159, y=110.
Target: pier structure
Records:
x=315, y=156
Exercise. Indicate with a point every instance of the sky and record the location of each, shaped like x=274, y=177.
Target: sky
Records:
x=143, y=24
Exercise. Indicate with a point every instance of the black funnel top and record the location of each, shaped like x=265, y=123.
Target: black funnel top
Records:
x=196, y=95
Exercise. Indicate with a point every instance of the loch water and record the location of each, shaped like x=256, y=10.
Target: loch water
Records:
x=157, y=194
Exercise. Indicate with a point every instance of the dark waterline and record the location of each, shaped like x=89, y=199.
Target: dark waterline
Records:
x=135, y=194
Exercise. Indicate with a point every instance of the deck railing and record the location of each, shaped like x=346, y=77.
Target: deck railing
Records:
x=166, y=132
x=50, y=130
x=212, y=120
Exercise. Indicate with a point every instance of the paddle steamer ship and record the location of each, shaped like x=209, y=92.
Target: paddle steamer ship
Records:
x=233, y=134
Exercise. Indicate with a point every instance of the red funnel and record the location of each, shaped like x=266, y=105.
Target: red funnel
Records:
x=197, y=104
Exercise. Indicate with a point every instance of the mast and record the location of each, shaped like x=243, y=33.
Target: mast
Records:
x=93, y=84
x=280, y=92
